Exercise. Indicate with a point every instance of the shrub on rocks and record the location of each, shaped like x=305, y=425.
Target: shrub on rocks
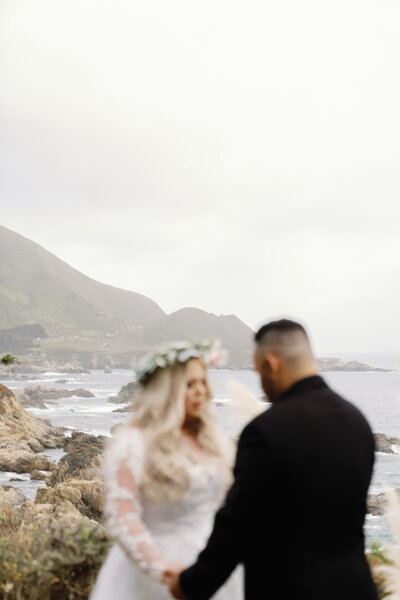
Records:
x=47, y=559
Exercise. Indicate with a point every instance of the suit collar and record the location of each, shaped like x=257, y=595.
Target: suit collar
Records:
x=315, y=382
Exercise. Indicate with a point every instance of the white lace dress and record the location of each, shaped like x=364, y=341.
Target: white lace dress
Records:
x=147, y=534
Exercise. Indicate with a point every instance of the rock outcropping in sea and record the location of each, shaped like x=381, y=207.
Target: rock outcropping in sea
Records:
x=376, y=503
x=338, y=364
x=386, y=444
x=24, y=437
x=35, y=395
x=125, y=394
x=75, y=482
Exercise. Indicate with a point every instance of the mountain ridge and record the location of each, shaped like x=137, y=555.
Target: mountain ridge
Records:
x=77, y=295
x=91, y=322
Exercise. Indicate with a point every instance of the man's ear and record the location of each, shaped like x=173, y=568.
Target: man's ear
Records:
x=272, y=363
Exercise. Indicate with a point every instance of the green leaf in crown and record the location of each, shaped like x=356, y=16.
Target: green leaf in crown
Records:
x=210, y=351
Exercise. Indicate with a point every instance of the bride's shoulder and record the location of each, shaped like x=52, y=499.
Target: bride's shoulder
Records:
x=126, y=439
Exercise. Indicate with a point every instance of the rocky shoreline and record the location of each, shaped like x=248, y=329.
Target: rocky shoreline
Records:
x=24, y=437
x=37, y=366
x=69, y=504
x=53, y=546
x=76, y=478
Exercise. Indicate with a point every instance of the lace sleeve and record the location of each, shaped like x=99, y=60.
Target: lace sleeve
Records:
x=123, y=465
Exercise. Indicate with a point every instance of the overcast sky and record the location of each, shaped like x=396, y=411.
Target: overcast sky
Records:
x=239, y=156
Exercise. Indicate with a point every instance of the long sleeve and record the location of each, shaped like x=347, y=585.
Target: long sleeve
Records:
x=234, y=522
x=123, y=466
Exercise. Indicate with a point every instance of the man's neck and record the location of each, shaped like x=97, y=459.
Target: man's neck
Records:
x=294, y=378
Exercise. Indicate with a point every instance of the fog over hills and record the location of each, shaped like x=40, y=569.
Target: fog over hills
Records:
x=38, y=287
x=88, y=320
x=193, y=323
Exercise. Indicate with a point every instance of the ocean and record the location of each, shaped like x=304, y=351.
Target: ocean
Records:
x=377, y=394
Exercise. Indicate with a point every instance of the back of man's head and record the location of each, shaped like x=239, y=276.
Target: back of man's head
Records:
x=286, y=338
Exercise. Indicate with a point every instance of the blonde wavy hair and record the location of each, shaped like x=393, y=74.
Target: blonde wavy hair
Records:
x=159, y=411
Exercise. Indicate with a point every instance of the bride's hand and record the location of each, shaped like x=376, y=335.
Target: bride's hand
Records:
x=171, y=572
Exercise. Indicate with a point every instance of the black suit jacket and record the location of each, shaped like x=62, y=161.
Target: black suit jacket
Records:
x=295, y=513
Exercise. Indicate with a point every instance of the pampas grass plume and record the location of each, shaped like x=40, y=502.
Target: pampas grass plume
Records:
x=246, y=405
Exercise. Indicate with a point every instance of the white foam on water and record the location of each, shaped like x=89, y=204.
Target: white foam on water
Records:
x=93, y=409
x=7, y=476
x=222, y=400
x=49, y=408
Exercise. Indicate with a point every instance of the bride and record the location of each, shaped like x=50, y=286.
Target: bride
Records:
x=165, y=475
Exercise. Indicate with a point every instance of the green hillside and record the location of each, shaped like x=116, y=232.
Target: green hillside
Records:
x=89, y=323
x=193, y=323
x=37, y=287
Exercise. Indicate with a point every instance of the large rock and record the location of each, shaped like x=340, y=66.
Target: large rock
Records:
x=124, y=409
x=26, y=401
x=79, y=441
x=24, y=436
x=386, y=444
x=11, y=496
x=125, y=394
x=62, y=512
x=376, y=503
x=77, y=478
x=83, y=459
x=41, y=392
x=37, y=475
x=338, y=364
x=23, y=461
x=86, y=496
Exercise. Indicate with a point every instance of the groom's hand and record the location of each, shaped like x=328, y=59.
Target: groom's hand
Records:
x=174, y=586
x=171, y=578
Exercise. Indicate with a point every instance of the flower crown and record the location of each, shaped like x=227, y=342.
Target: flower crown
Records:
x=210, y=351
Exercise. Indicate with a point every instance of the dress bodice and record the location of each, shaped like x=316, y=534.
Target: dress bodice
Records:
x=202, y=499
x=152, y=532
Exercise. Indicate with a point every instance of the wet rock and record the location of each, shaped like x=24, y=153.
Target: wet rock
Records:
x=91, y=495
x=338, y=364
x=123, y=409
x=77, y=478
x=27, y=401
x=59, y=493
x=79, y=441
x=11, y=496
x=39, y=393
x=63, y=512
x=376, y=503
x=125, y=394
x=86, y=496
x=35, y=445
x=23, y=461
x=83, y=458
x=23, y=436
x=38, y=475
x=386, y=444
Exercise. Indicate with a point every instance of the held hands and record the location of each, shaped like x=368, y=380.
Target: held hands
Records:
x=171, y=578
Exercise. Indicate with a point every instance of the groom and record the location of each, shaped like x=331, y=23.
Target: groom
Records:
x=294, y=515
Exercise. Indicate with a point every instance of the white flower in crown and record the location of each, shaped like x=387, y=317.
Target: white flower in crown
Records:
x=210, y=351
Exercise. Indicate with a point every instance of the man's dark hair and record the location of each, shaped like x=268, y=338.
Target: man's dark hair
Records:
x=281, y=326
